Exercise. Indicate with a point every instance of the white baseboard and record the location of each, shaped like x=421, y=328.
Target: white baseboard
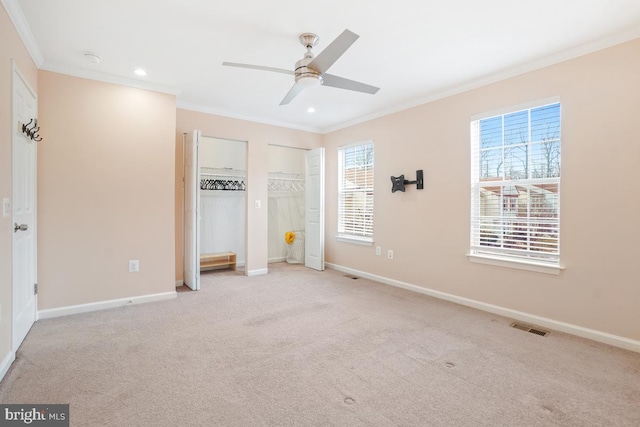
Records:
x=6, y=364
x=179, y=283
x=568, y=328
x=279, y=259
x=101, y=305
x=257, y=272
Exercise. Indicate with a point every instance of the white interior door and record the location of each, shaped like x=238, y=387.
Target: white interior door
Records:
x=314, y=209
x=191, y=211
x=23, y=212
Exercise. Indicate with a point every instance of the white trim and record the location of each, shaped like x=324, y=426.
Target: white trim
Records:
x=224, y=113
x=259, y=272
x=547, y=61
x=515, y=108
x=568, y=328
x=24, y=31
x=357, y=144
x=6, y=364
x=84, y=73
x=364, y=241
x=515, y=263
x=101, y=305
x=278, y=259
x=179, y=283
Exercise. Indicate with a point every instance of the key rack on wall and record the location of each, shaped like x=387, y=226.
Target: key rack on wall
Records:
x=31, y=132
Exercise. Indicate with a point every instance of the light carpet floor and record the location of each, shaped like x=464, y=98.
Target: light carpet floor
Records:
x=298, y=347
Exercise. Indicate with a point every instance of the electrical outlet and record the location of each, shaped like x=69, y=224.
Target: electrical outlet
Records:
x=134, y=266
x=6, y=207
x=390, y=254
x=378, y=250
x=258, y=204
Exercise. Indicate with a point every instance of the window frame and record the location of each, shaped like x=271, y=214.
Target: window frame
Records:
x=483, y=253
x=343, y=234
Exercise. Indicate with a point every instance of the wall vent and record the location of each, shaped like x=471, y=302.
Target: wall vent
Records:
x=529, y=328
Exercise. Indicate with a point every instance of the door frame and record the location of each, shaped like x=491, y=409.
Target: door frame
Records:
x=16, y=74
x=191, y=212
x=198, y=137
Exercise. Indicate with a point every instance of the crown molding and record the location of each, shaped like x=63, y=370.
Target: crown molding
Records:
x=556, y=58
x=224, y=113
x=108, y=78
x=24, y=31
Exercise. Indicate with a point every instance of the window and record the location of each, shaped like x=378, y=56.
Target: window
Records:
x=355, y=193
x=515, y=185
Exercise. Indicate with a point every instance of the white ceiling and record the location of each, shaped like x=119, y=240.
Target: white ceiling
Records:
x=414, y=50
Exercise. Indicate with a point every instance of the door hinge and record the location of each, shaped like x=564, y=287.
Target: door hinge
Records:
x=35, y=289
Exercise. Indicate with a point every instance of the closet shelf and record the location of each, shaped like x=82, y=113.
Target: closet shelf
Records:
x=282, y=181
x=222, y=184
x=224, y=179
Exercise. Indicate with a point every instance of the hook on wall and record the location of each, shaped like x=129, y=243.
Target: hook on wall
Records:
x=31, y=132
x=398, y=182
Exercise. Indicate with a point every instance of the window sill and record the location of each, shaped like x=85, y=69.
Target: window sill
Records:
x=364, y=241
x=517, y=264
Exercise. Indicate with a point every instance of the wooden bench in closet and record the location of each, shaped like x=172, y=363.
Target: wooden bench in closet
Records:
x=218, y=261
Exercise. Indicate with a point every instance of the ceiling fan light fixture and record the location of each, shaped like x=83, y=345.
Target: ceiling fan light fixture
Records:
x=309, y=81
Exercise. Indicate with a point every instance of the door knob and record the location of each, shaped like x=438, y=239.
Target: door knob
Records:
x=21, y=227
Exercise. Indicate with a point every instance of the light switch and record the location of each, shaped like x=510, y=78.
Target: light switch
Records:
x=6, y=207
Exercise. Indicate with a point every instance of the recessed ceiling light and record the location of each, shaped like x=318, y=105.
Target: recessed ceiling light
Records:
x=311, y=110
x=140, y=72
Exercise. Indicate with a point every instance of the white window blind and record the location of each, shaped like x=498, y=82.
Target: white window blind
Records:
x=515, y=185
x=355, y=191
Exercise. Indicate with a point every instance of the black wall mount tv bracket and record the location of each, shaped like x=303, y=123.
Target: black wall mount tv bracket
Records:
x=399, y=182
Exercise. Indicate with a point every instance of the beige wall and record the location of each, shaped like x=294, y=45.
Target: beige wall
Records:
x=258, y=137
x=11, y=47
x=429, y=229
x=105, y=191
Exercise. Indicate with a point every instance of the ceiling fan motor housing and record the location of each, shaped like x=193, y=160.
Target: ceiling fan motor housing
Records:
x=306, y=76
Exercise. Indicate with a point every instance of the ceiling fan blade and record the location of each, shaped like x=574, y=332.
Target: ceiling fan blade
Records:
x=342, y=83
x=293, y=92
x=258, y=67
x=331, y=53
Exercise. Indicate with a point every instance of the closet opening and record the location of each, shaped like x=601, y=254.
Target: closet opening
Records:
x=223, y=185
x=222, y=191
x=286, y=204
x=215, y=188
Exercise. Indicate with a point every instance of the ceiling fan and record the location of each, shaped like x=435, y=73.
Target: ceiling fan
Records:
x=311, y=71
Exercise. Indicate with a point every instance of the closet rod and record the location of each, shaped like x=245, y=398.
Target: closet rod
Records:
x=287, y=179
x=218, y=174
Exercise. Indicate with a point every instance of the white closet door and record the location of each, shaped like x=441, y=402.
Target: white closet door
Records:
x=314, y=209
x=191, y=212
